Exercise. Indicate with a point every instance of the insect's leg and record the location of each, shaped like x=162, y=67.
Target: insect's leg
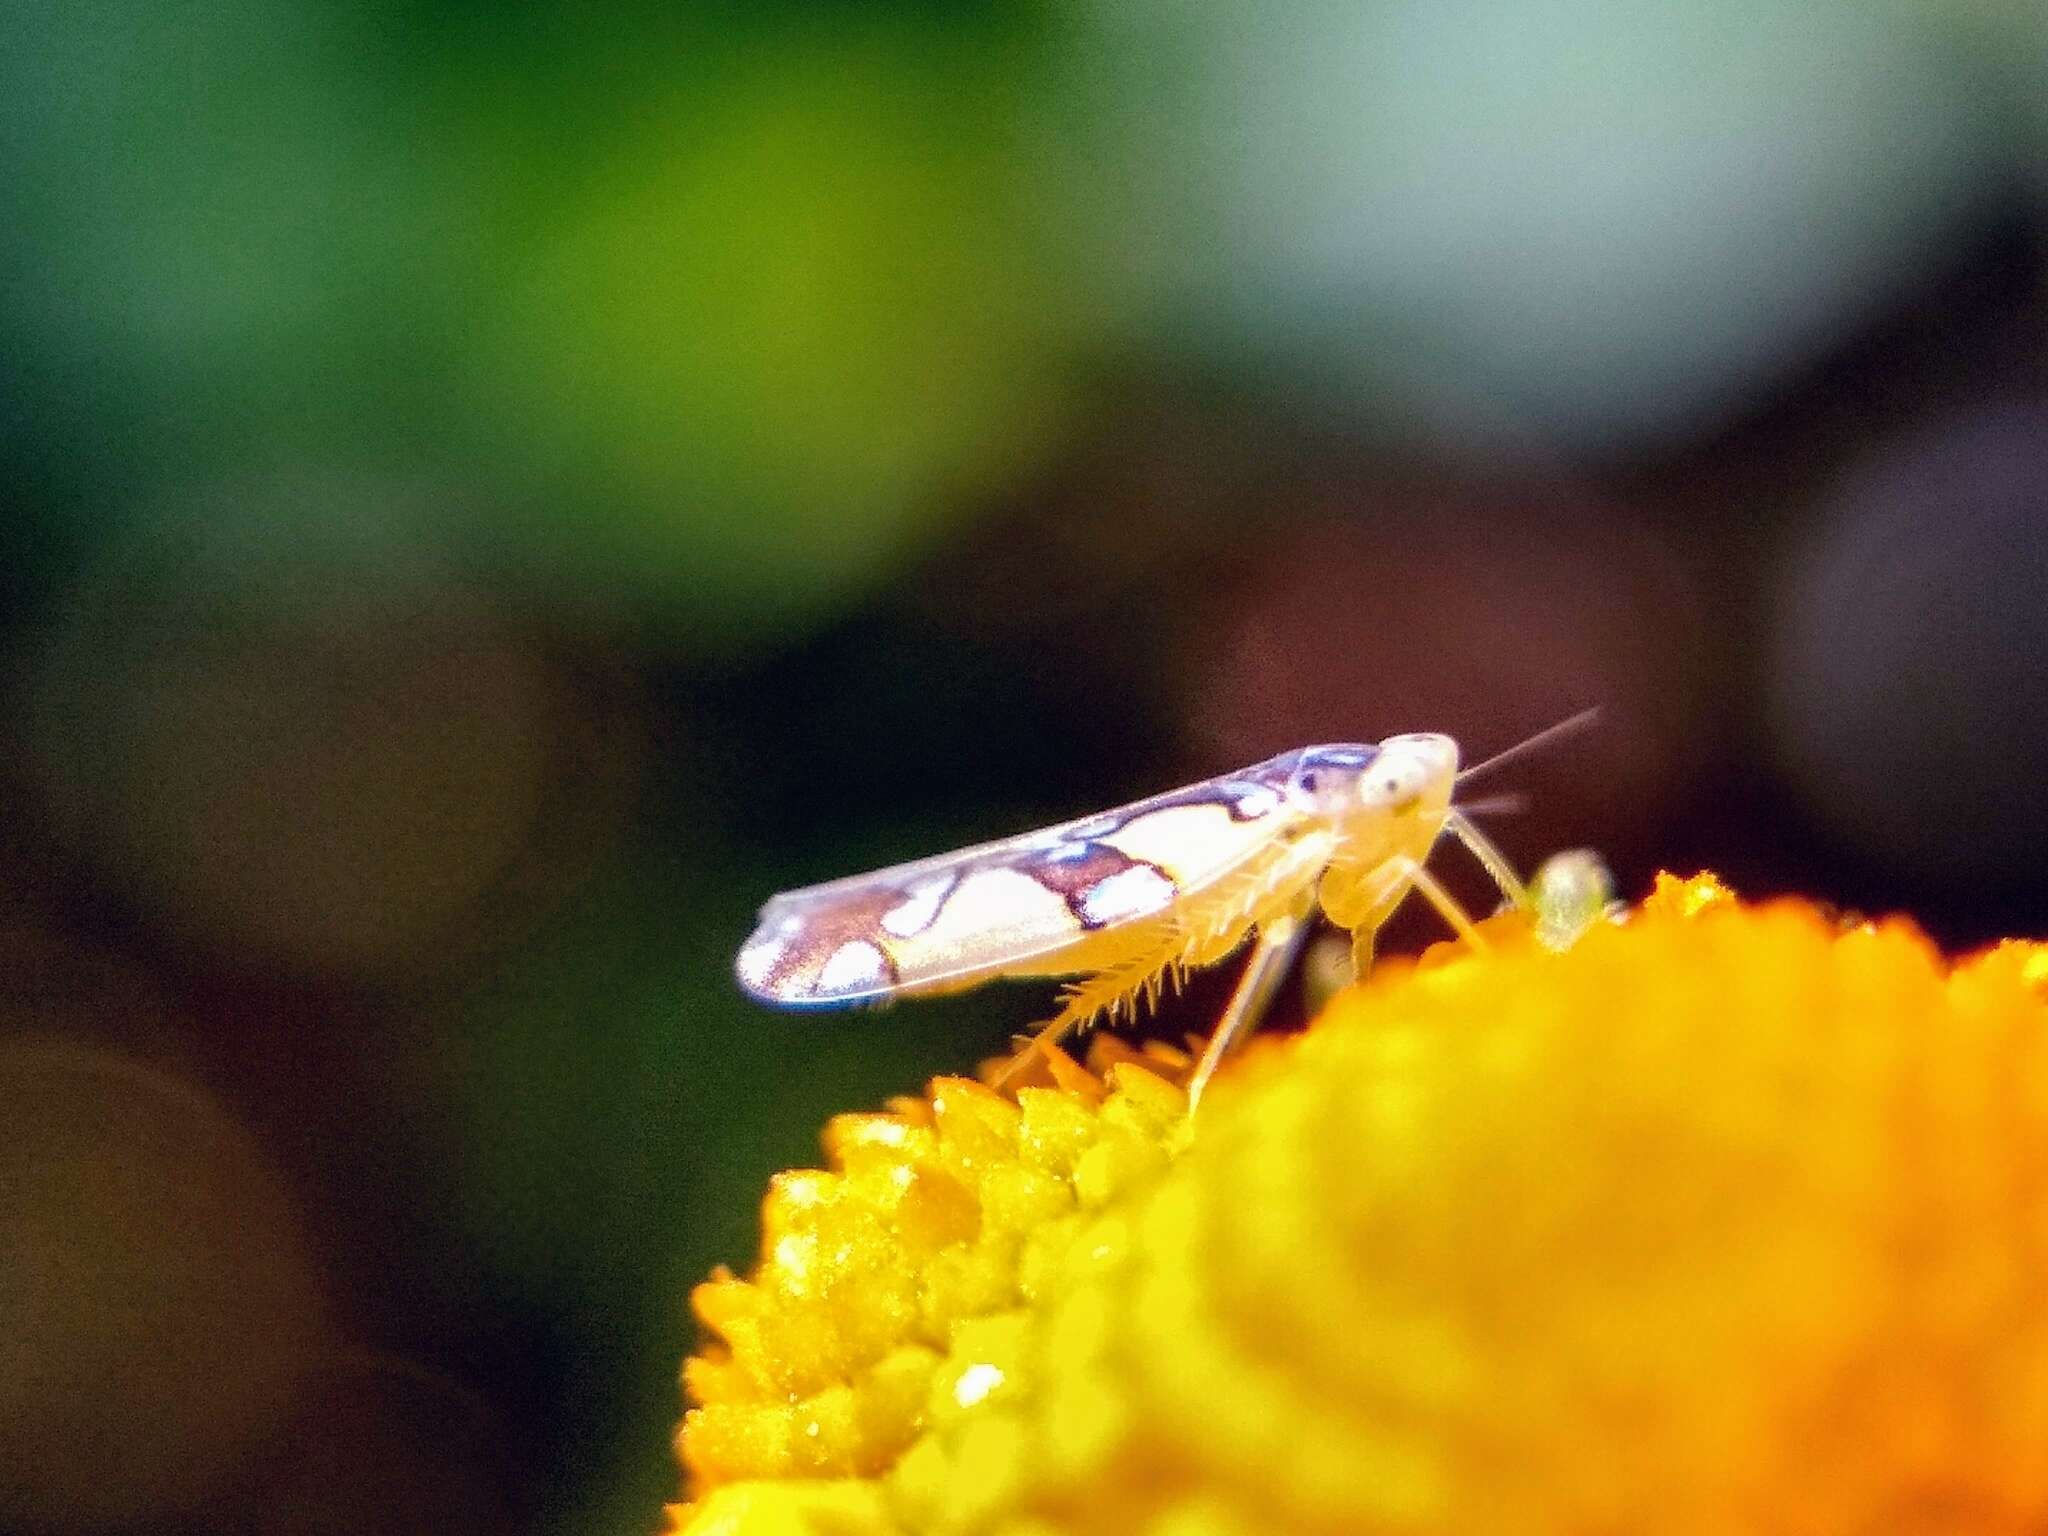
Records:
x=1071, y=1019
x=1496, y=864
x=1393, y=878
x=1363, y=938
x=1278, y=943
x=1040, y=1044
x=1447, y=906
x=1389, y=884
x=1141, y=974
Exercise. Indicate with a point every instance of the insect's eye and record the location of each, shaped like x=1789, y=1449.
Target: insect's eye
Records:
x=1390, y=789
x=1308, y=781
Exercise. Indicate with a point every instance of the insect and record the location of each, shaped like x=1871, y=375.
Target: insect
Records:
x=1130, y=899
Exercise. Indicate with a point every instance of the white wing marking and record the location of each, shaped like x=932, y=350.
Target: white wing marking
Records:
x=1004, y=904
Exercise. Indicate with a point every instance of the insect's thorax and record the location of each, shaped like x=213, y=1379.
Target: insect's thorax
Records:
x=1369, y=868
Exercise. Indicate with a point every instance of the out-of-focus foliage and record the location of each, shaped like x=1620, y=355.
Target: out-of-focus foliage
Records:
x=644, y=311
x=809, y=311
x=1589, y=223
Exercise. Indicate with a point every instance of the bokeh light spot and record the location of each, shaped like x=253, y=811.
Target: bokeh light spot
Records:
x=798, y=316
x=157, y=1302
x=1597, y=224
x=303, y=740
x=1486, y=614
x=1909, y=699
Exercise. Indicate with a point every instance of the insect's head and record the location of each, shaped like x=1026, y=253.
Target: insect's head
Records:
x=1413, y=773
x=1399, y=775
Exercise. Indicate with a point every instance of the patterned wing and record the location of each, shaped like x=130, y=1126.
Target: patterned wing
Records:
x=1012, y=906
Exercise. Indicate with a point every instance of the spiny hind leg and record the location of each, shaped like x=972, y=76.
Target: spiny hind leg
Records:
x=1142, y=974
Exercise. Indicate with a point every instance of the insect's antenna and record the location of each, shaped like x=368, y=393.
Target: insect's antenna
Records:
x=1496, y=805
x=1544, y=737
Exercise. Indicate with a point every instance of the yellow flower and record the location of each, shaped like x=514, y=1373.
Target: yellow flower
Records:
x=1729, y=1219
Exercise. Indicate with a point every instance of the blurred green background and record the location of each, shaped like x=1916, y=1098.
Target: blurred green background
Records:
x=496, y=491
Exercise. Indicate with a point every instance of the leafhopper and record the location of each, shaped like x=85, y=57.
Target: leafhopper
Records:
x=1127, y=900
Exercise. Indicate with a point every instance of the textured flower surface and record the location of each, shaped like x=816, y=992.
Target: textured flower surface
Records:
x=1730, y=1218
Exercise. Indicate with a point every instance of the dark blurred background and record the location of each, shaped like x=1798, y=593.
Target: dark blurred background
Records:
x=495, y=491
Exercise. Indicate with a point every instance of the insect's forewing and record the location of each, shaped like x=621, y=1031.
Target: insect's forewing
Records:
x=1015, y=906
